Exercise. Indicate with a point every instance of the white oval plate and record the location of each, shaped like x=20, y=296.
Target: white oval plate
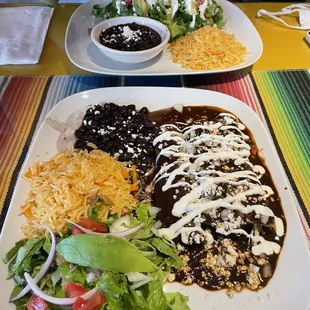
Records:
x=85, y=55
x=289, y=287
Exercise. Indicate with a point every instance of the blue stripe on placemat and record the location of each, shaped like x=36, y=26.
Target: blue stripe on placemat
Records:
x=167, y=81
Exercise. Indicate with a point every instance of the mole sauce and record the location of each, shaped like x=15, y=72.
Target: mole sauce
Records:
x=202, y=262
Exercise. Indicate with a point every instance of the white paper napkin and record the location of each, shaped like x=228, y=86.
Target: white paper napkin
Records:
x=22, y=33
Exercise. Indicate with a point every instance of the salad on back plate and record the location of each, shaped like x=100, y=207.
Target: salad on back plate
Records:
x=180, y=16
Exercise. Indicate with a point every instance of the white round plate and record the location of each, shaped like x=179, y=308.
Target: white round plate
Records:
x=83, y=53
x=289, y=287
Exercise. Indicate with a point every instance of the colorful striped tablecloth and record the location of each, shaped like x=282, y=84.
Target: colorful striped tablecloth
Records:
x=280, y=98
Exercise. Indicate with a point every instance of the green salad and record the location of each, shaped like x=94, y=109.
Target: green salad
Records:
x=180, y=16
x=100, y=270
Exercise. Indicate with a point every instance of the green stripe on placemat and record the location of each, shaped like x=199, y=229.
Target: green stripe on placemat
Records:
x=280, y=98
x=286, y=100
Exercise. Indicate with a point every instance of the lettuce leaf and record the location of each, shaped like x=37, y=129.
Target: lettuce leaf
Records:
x=74, y=274
x=118, y=292
x=142, y=216
x=114, y=304
x=159, y=12
x=93, y=210
x=106, y=12
x=103, y=251
x=21, y=303
x=156, y=299
x=141, y=8
x=120, y=296
x=136, y=299
x=23, y=259
x=142, y=212
x=164, y=248
x=145, y=248
x=177, y=301
x=176, y=29
x=13, y=252
x=112, y=285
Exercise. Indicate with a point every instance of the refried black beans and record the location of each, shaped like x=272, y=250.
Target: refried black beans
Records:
x=130, y=37
x=121, y=131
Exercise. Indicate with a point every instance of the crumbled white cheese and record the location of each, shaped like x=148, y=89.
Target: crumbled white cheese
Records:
x=127, y=32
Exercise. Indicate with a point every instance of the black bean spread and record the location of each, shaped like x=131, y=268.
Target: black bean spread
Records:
x=121, y=131
x=217, y=200
x=130, y=37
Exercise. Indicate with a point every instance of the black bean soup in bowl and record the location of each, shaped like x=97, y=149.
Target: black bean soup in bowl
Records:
x=130, y=37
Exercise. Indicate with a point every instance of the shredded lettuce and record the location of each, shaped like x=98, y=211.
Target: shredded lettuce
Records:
x=142, y=216
x=143, y=212
x=174, y=260
x=150, y=296
x=177, y=301
x=161, y=10
x=13, y=252
x=141, y=8
x=113, y=285
x=24, y=261
x=76, y=274
x=83, y=254
x=93, y=210
x=20, y=304
x=111, y=10
x=156, y=298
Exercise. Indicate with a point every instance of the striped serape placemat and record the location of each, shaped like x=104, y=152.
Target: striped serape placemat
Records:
x=280, y=98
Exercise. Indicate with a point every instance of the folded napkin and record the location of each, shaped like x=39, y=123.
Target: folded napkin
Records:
x=22, y=33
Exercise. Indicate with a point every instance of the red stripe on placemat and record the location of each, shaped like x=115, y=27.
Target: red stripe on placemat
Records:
x=13, y=128
x=240, y=88
x=22, y=97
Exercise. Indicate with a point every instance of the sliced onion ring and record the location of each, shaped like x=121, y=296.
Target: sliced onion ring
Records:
x=46, y=266
x=158, y=224
x=138, y=284
x=54, y=300
x=121, y=234
x=153, y=211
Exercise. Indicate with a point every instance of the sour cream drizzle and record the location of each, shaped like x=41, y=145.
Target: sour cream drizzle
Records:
x=222, y=141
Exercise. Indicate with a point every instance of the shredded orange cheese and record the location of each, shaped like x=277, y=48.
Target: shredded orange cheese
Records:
x=208, y=48
x=134, y=188
x=134, y=174
x=125, y=174
x=65, y=186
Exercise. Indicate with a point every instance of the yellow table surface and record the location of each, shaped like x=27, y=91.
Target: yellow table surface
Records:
x=283, y=48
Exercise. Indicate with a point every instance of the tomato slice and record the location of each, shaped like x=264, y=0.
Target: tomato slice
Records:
x=78, y=304
x=36, y=303
x=93, y=303
x=129, y=3
x=74, y=290
x=76, y=231
x=93, y=225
